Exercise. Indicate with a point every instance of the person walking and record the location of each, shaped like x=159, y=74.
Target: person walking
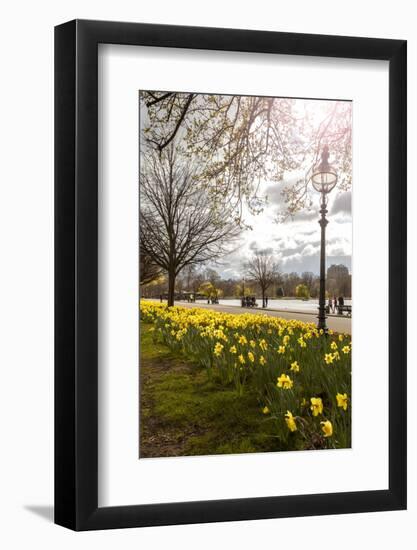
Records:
x=266, y=301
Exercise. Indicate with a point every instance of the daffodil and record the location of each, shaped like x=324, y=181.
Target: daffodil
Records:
x=316, y=405
x=265, y=410
x=281, y=349
x=241, y=359
x=263, y=344
x=346, y=349
x=233, y=350
x=218, y=348
x=286, y=339
x=327, y=428
x=251, y=357
x=243, y=340
x=333, y=345
x=295, y=366
x=252, y=344
x=329, y=358
x=262, y=360
x=285, y=382
x=342, y=400
x=340, y=337
x=302, y=342
x=290, y=421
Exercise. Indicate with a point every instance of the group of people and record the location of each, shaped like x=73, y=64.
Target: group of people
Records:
x=335, y=304
x=249, y=301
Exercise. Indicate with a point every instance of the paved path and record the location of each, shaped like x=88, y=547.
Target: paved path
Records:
x=336, y=323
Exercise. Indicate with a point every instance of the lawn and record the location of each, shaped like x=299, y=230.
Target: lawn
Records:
x=184, y=413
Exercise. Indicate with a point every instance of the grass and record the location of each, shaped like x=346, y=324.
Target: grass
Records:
x=184, y=413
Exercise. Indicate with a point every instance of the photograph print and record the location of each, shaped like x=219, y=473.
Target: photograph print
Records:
x=245, y=283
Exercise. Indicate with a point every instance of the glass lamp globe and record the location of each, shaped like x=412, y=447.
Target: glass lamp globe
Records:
x=324, y=175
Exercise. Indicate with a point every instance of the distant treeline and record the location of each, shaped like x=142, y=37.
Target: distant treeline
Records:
x=209, y=282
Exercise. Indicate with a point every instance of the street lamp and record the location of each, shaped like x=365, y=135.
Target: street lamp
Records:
x=324, y=178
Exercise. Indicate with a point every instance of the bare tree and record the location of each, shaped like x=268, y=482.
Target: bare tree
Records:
x=180, y=223
x=264, y=270
x=148, y=270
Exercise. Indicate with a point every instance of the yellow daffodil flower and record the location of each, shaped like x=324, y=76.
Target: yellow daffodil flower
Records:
x=302, y=342
x=290, y=421
x=329, y=358
x=316, y=405
x=295, y=366
x=285, y=382
x=263, y=345
x=327, y=428
x=342, y=400
x=218, y=348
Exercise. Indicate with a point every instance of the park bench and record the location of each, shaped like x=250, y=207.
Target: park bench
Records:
x=342, y=309
x=249, y=303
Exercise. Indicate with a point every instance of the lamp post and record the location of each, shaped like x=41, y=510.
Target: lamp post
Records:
x=324, y=178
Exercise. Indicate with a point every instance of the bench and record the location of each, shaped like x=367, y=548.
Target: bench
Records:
x=342, y=309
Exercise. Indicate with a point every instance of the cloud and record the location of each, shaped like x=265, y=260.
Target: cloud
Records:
x=342, y=203
x=304, y=249
x=273, y=192
x=305, y=215
x=300, y=263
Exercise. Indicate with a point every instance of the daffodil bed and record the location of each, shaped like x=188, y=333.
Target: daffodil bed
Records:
x=301, y=378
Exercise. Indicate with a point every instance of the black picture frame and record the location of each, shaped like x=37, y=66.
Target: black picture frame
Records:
x=76, y=272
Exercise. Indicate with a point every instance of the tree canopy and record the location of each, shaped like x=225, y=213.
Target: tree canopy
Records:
x=239, y=141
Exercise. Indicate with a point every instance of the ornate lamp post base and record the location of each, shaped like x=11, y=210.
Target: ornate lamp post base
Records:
x=322, y=325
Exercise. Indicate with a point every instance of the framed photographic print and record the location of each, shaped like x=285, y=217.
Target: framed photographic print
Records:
x=230, y=275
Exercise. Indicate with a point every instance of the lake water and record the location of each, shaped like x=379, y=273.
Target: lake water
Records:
x=298, y=305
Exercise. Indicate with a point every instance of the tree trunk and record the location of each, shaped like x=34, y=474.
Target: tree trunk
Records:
x=171, y=288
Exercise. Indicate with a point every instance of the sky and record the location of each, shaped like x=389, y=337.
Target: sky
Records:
x=295, y=243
